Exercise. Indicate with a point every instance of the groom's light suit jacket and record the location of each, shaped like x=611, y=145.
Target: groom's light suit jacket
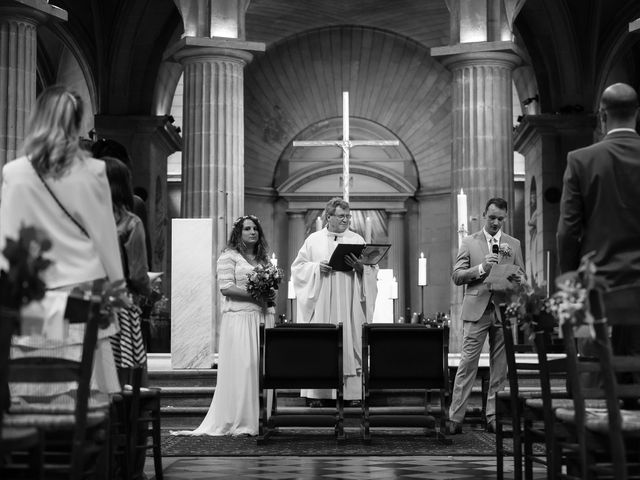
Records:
x=465, y=272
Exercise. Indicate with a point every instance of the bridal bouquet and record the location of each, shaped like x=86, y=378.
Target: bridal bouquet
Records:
x=263, y=283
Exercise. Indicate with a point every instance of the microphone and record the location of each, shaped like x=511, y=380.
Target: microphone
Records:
x=495, y=248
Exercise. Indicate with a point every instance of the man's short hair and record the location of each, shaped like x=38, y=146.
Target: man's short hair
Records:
x=335, y=202
x=500, y=203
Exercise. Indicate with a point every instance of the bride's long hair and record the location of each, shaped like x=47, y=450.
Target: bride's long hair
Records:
x=261, y=249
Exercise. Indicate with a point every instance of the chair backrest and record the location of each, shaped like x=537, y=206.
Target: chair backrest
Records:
x=405, y=356
x=614, y=308
x=48, y=366
x=579, y=389
x=8, y=324
x=510, y=352
x=295, y=355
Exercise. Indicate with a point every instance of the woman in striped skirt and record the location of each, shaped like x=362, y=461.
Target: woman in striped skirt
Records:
x=128, y=345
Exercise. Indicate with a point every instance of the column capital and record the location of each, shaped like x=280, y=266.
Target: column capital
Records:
x=294, y=212
x=113, y=126
x=479, y=53
x=32, y=11
x=396, y=212
x=189, y=49
x=533, y=126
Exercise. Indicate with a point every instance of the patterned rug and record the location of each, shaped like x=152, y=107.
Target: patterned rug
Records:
x=320, y=442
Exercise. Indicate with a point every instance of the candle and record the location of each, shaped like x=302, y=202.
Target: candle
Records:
x=422, y=270
x=274, y=260
x=394, y=289
x=318, y=224
x=291, y=293
x=462, y=213
x=367, y=230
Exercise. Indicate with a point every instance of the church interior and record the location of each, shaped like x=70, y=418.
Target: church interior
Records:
x=484, y=97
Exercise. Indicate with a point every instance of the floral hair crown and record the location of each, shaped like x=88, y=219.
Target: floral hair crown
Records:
x=241, y=219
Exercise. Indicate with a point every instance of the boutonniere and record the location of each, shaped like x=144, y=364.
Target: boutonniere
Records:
x=505, y=250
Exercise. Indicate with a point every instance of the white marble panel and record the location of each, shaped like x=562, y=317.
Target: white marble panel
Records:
x=383, y=312
x=191, y=293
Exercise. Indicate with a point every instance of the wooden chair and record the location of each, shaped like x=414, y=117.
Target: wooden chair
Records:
x=144, y=421
x=539, y=412
x=523, y=411
x=602, y=440
x=510, y=403
x=405, y=357
x=622, y=308
x=300, y=356
x=75, y=424
x=25, y=439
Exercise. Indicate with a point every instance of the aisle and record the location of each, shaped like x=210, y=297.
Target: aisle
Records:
x=354, y=468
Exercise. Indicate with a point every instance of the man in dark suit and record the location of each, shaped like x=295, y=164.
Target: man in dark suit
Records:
x=479, y=305
x=600, y=205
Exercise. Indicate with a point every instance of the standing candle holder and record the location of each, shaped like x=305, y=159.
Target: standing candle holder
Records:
x=291, y=295
x=422, y=280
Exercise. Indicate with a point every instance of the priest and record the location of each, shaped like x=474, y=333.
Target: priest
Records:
x=328, y=296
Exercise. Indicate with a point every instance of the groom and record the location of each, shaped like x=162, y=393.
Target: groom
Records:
x=476, y=257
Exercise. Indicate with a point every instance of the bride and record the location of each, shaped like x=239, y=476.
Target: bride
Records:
x=234, y=408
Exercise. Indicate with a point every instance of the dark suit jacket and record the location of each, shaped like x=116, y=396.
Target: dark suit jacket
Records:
x=600, y=208
x=465, y=272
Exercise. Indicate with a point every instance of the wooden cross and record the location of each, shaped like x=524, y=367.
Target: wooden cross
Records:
x=345, y=144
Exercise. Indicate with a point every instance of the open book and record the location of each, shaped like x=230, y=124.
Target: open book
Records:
x=369, y=254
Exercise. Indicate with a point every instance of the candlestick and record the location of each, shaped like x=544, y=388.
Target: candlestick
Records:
x=548, y=272
x=367, y=230
x=318, y=224
x=291, y=293
x=422, y=270
x=462, y=213
x=274, y=260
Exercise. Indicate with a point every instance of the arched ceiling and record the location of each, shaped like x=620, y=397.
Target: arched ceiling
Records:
x=392, y=81
x=571, y=43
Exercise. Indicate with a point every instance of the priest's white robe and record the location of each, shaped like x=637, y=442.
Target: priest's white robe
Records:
x=343, y=297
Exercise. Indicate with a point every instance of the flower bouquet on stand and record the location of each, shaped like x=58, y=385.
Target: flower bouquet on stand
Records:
x=532, y=310
x=571, y=302
x=263, y=283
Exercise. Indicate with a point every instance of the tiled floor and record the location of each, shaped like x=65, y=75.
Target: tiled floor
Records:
x=354, y=468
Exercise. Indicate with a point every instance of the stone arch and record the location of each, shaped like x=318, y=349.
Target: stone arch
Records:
x=392, y=80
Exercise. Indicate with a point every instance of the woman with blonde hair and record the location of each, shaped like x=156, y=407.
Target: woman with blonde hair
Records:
x=55, y=186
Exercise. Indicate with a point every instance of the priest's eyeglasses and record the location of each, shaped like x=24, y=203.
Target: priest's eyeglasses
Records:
x=343, y=217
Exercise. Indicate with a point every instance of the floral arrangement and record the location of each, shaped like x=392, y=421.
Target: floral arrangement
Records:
x=263, y=283
x=21, y=284
x=532, y=310
x=570, y=302
x=505, y=250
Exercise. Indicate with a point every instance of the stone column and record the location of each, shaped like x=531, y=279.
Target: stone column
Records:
x=397, y=257
x=296, y=236
x=482, y=162
x=545, y=140
x=213, y=139
x=149, y=140
x=18, y=45
x=296, y=239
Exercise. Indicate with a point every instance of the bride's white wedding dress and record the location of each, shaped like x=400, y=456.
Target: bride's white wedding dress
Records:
x=234, y=408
